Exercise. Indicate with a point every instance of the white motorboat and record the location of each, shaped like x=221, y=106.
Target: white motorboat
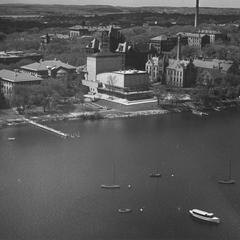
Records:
x=217, y=109
x=206, y=216
x=199, y=113
x=11, y=139
x=124, y=210
x=114, y=186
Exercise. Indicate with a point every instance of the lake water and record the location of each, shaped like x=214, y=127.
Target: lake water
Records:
x=50, y=187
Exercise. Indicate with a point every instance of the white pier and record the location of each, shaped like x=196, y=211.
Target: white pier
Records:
x=62, y=134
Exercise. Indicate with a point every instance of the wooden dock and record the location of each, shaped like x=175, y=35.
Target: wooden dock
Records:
x=62, y=134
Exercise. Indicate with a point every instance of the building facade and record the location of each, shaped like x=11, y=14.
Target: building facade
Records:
x=181, y=73
x=130, y=84
x=10, y=79
x=155, y=67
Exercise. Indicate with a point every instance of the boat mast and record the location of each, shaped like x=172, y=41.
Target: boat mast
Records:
x=230, y=169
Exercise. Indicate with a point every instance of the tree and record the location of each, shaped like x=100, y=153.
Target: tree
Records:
x=159, y=92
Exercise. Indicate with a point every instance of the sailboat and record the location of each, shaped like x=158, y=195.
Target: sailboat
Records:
x=112, y=186
x=229, y=180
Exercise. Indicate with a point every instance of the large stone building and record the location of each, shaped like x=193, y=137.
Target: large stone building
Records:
x=105, y=74
x=133, y=57
x=103, y=62
x=180, y=73
x=10, y=79
x=155, y=67
x=129, y=84
x=49, y=68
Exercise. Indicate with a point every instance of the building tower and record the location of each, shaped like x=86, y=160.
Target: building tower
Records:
x=196, y=14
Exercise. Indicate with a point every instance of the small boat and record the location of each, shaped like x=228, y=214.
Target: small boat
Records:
x=217, y=109
x=110, y=186
x=199, y=113
x=124, y=210
x=11, y=139
x=155, y=175
x=206, y=216
x=229, y=180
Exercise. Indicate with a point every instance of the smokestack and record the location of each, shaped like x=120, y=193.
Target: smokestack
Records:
x=179, y=48
x=196, y=14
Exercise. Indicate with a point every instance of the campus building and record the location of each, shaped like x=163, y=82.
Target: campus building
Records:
x=105, y=74
x=129, y=84
x=49, y=68
x=213, y=71
x=180, y=73
x=10, y=79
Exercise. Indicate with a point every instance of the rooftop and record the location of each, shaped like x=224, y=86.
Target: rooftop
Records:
x=16, y=76
x=16, y=54
x=129, y=72
x=224, y=65
x=173, y=63
x=45, y=65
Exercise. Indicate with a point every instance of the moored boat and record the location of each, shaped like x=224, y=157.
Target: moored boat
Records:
x=155, y=175
x=124, y=210
x=227, y=181
x=114, y=186
x=206, y=216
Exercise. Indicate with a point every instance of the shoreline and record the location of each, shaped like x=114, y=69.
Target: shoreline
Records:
x=112, y=114
x=80, y=116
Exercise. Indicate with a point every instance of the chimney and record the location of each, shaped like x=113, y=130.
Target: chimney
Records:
x=179, y=48
x=196, y=14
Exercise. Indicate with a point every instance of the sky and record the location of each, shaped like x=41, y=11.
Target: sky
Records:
x=133, y=3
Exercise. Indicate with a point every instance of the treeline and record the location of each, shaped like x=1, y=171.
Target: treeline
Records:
x=48, y=94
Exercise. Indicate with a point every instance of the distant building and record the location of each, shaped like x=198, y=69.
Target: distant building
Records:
x=155, y=67
x=93, y=47
x=15, y=56
x=163, y=43
x=10, y=79
x=109, y=40
x=78, y=31
x=49, y=68
x=214, y=35
x=214, y=71
x=196, y=39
